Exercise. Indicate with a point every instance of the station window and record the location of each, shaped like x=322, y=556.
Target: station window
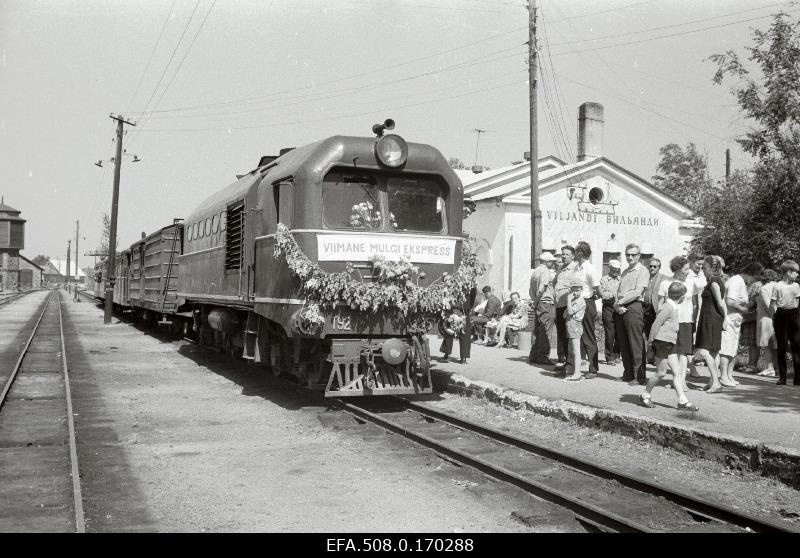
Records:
x=215, y=224
x=208, y=226
x=645, y=259
x=222, y=221
x=415, y=204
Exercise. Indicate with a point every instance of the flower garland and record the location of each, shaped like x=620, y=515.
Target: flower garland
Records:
x=395, y=285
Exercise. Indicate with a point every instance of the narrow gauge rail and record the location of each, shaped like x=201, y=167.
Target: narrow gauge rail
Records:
x=38, y=452
x=605, y=499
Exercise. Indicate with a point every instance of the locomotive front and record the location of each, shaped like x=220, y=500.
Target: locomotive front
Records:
x=362, y=264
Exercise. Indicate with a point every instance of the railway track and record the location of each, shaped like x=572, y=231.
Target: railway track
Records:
x=38, y=454
x=603, y=499
x=12, y=298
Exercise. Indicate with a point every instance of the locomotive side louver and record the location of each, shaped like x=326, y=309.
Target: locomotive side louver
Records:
x=234, y=235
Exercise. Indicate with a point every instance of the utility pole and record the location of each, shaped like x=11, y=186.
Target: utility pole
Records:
x=112, y=238
x=77, y=232
x=536, y=213
x=727, y=166
x=69, y=249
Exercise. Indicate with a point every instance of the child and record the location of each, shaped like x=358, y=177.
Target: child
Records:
x=576, y=307
x=663, y=336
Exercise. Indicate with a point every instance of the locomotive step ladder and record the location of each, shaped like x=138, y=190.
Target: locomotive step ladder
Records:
x=250, y=337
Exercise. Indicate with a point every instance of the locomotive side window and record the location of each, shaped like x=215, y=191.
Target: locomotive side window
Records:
x=351, y=201
x=415, y=204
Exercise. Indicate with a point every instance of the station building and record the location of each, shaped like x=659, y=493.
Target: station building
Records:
x=593, y=199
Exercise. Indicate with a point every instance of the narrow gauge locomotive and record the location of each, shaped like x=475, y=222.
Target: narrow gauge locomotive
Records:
x=344, y=201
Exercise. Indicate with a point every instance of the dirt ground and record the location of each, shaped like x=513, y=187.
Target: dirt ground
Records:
x=176, y=438
x=741, y=490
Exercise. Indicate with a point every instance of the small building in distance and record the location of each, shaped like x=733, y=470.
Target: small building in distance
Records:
x=12, y=240
x=52, y=276
x=31, y=276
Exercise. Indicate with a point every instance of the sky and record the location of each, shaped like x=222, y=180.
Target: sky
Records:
x=212, y=85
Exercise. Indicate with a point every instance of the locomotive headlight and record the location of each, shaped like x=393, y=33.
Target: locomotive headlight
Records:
x=391, y=151
x=394, y=351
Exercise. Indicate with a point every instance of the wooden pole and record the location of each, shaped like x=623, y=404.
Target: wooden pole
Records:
x=112, y=238
x=536, y=212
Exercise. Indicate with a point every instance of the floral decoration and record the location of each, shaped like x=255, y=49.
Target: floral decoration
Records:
x=365, y=216
x=454, y=324
x=396, y=285
x=310, y=319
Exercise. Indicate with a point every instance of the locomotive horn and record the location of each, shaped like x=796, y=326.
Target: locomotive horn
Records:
x=378, y=129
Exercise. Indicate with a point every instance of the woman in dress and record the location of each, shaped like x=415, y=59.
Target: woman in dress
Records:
x=518, y=319
x=710, y=322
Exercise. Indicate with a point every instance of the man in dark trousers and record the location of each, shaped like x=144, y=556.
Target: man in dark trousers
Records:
x=543, y=300
x=586, y=272
x=650, y=302
x=492, y=311
x=609, y=285
x=465, y=335
x=628, y=318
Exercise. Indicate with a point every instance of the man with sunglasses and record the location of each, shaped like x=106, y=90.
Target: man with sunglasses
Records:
x=629, y=317
x=651, y=301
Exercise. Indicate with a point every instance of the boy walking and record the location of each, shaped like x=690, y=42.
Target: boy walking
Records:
x=663, y=336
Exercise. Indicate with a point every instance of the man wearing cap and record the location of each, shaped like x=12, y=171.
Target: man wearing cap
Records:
x=542, y=297
x=562, y=290
x=609, y=285
x=651, y=301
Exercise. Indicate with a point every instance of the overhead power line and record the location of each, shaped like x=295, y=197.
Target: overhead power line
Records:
x=150, y=59
x=337, y=117
x=345, y=78
x=171, y=57
x=618, y=35
x=670, y=35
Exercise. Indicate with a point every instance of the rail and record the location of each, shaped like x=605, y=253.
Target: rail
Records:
x=705, y=514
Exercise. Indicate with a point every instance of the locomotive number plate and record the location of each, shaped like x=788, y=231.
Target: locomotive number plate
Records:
x=341, y=323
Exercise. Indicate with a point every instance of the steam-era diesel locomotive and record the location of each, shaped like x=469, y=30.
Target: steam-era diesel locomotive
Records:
x=342, y=206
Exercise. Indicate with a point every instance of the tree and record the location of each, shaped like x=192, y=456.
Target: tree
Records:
x=105, y=234
x=41, y=260
x=683, y=174
x=456, y=163
x=767, y=225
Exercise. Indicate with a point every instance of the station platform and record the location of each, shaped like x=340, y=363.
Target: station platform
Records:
x=757, y=422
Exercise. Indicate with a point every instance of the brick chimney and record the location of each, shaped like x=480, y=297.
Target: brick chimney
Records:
x=590, y=131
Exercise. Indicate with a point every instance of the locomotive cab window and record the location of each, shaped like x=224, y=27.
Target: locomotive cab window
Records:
x=351, y=201
x=415, y=204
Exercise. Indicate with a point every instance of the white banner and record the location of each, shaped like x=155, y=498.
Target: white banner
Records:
x=346, y=247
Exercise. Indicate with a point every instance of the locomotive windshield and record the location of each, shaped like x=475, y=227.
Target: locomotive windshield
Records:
x=351, y=202
x=415, y=204
x=359, y=202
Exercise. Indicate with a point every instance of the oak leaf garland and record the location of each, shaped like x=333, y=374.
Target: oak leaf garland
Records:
x=394, y=287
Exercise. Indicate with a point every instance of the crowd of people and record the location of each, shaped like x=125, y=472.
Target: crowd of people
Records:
x=696, y=313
